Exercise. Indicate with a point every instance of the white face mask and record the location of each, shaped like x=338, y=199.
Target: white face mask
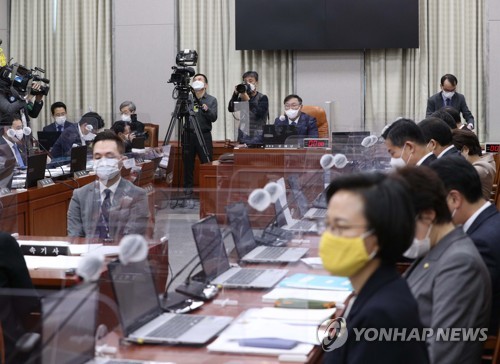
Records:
x=89, y=137
x=448, y=95
x=397, y=163
x=252, y=87
x=198, y=85
x=419, y=247
x=291, y=113
x=126, y=118
x=106, y=168
x=19, y=134
x=60, y=120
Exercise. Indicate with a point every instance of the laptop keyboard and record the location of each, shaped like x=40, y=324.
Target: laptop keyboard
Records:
x=176, y=326
x=318, y=213
x=245, y=276
x=303, y=225
x=271, y=253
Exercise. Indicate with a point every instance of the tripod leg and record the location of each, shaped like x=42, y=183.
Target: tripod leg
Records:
x=199, y=136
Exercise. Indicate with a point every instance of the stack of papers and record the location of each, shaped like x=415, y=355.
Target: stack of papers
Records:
x=306, y=294
x=267, y=326
x=60, y=262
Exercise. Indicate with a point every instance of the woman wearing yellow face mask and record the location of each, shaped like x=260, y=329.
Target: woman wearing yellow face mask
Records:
x=369, y=225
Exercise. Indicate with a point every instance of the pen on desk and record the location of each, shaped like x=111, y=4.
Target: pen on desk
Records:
x=303, y=303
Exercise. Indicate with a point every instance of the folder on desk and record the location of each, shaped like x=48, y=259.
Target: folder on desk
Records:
x=313, y=281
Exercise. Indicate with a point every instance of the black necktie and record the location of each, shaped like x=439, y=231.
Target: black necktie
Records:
x=59, y=128
x=103, y=224
x=448, y=101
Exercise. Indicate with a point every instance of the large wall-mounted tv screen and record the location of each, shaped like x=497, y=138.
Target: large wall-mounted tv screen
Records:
x=326, y=24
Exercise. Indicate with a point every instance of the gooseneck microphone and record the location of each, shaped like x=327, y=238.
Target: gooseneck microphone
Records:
x=133, y=249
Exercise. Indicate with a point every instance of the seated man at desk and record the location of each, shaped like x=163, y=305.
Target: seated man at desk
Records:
x=111, y=207
x=58, y=110
x=77, y=134
x=13, y=136
x=295, y=121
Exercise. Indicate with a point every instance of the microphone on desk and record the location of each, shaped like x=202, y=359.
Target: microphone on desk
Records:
x=90, y=267
x=133, y=249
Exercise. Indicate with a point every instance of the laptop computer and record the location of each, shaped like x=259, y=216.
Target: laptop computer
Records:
x=138, y=142
x=302, y=202
x=284, y=215
x=69, y=326
x=78, y=159
x=142, y=317
x=215, y=262
x=280, y=136
x=36, y=169
x=246, y=245
x=47, y=139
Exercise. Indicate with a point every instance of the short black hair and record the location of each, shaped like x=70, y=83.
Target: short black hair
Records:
x=458, y=174
x=387, y=207
x=450, y=78
x=202, y=75
x=437, y=129
x=455, y=114
x=109, y=135
x=8, y=119
x=427, y=191
x=93, y=119
x=446, y=117
x=404, y=130
x=292, y=97
x=250, y=74
x=118, y=127
x=57, y=104
x=465, y=137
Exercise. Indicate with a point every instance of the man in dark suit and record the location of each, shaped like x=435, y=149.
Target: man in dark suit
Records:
x=60, y=123
x=112, y=206
x=77, y=134
x=480, y=220
x=295, y=121
x=438, y=137
x=406, y=145
x=12, y=135
x=449, y=97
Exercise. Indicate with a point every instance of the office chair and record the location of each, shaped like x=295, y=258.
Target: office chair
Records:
x=320, y=115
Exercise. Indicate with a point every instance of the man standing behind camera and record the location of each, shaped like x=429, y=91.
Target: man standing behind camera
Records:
x=206, y=114
x=258, y=107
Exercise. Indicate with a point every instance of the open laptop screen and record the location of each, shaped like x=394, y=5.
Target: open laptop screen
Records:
x=78, y=159
x=36, y=169
x=68, y=325
x=211, y=250
x=239, y=223
x=135, y=293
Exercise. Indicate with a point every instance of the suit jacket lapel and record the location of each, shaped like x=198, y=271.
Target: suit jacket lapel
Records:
x=489, y=211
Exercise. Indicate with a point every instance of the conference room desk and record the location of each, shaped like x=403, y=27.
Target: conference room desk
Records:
x=225, y=183
x=244, y=299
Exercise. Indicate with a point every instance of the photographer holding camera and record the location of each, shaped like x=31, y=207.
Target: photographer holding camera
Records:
x=258, y=107
x=129, y=116
x=18, y=85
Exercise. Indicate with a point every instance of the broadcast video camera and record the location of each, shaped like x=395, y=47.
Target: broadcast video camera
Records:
x=182, y=73
x=21, y=78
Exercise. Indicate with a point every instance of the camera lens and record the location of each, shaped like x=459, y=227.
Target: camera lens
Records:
x=241, y=88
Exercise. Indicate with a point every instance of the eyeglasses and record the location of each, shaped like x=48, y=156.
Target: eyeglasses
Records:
x=292, y=106
x=342, y=229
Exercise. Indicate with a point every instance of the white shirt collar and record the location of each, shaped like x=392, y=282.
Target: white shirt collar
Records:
x=423, y=158
x=113, y=188
x=444, y=151
x=80, y=133
x=474, y=216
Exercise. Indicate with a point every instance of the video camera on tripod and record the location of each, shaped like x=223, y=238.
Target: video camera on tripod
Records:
x=181, y=75
x=21, y=79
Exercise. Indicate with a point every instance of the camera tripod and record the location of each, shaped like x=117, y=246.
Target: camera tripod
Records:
x=185, y=119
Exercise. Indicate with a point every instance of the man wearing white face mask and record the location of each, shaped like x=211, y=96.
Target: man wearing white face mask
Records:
x=59, y=114
x=14, y=137
x=206, y=114
x=129, y=115
x=77, y=134
x=258, y=105
x=295, y=121
x=406, y=145
x=449, y=97
x=112, y=206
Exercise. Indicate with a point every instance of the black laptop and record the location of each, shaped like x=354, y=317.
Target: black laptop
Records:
x=36, y=169
x=78, y=159
x=47, y=139
x=277, y=136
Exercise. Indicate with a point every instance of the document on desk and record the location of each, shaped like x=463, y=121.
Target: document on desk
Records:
x=313, y=281
x=59, y=262
x=248, y=327
x=99, y=249
x=293, y=316
x=44, y=242
x=306, y=294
